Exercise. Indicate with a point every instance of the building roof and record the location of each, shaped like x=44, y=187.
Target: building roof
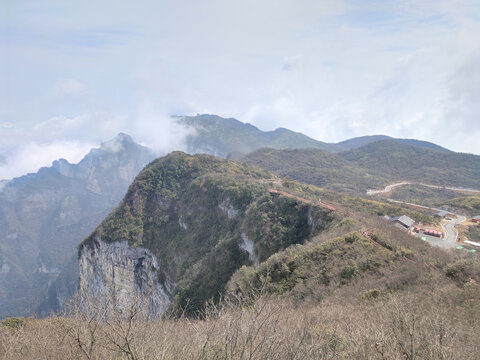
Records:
x=404, y=220
x=442, y=213
x=476, y=217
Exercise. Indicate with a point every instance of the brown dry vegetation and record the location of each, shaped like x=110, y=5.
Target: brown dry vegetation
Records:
x=422, y=304
x=389, y=296
x=442, y=325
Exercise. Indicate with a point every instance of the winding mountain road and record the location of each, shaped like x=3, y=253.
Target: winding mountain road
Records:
x=390, y=187
x=387, y=189
x=451, y=233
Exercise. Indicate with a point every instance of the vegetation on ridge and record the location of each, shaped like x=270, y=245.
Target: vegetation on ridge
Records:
x=371, y=166
x=192, y=212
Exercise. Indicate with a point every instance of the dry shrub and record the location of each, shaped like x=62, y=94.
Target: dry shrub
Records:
x=399, y=326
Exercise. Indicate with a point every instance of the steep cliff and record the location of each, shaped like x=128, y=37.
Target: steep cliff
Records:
x=185, y=226
x=44, y=216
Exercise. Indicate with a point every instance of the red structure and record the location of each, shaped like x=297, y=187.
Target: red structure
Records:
x=433, y=233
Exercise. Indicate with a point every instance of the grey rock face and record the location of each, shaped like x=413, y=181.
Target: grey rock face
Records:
x=44, y=216
x=118, y=274
x=248, y=246
x=228, y=209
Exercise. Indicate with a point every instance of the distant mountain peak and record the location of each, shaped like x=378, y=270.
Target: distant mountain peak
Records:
x=118, y=143
x=121, y=136
x=361, y=141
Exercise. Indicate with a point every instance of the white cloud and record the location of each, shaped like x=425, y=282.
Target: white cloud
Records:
x=158, y=130
x=33, y=155
x=71, y=138
x=69, y=87
x=332, y=69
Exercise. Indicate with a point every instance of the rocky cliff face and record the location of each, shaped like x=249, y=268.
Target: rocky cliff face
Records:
x=44, y=216
x=119, y=274
x=185, y=226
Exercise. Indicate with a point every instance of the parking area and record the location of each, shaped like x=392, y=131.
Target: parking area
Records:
x=440, y=242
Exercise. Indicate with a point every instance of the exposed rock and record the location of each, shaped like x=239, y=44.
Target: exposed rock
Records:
x=176, y=225
x=248, y=246
x=45, y=215
x=228, y=208
x=182, y=224
x=117, y=273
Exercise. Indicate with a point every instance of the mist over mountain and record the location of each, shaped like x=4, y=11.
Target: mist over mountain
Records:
x=220, y=137
x=43, y=217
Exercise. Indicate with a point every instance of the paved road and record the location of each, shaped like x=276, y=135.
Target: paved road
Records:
x=387, y=189
x=390, y=187
x=417, y=205
x=451, y=234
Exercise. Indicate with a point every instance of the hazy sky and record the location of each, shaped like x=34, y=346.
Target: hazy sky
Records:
x=75, y=73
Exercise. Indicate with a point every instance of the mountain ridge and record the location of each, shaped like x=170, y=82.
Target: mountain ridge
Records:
x=373, y=165
x=198, y=218
x=44, y=215
x=233, y=136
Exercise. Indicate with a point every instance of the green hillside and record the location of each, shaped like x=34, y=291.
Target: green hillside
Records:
x=357, y=142
x=218, y=136
x=194, y=212
x=405, y=162
x=316, y=167
x=371, y=166
x=325, y=277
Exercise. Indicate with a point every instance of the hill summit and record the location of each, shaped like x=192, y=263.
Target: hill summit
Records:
x=185, y=226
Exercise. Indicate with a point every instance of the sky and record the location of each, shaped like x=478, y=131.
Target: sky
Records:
x=75, y=73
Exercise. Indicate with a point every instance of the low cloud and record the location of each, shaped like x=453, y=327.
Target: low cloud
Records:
x=72, y=137
x=158, y=130
x=331, y=69
x=30, y=157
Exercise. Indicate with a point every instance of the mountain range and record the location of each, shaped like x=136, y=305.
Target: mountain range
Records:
x=222, y=137
x=44, y=216
x=371, y=166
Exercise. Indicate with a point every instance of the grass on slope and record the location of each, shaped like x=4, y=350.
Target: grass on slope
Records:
x=371, y=166
x=405, y=162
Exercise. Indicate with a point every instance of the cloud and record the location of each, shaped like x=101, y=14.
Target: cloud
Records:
x=158, y=130
x=332, y=69
x=33, y=155
x=72, y=138
x=69, y=87
x=461, y=107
